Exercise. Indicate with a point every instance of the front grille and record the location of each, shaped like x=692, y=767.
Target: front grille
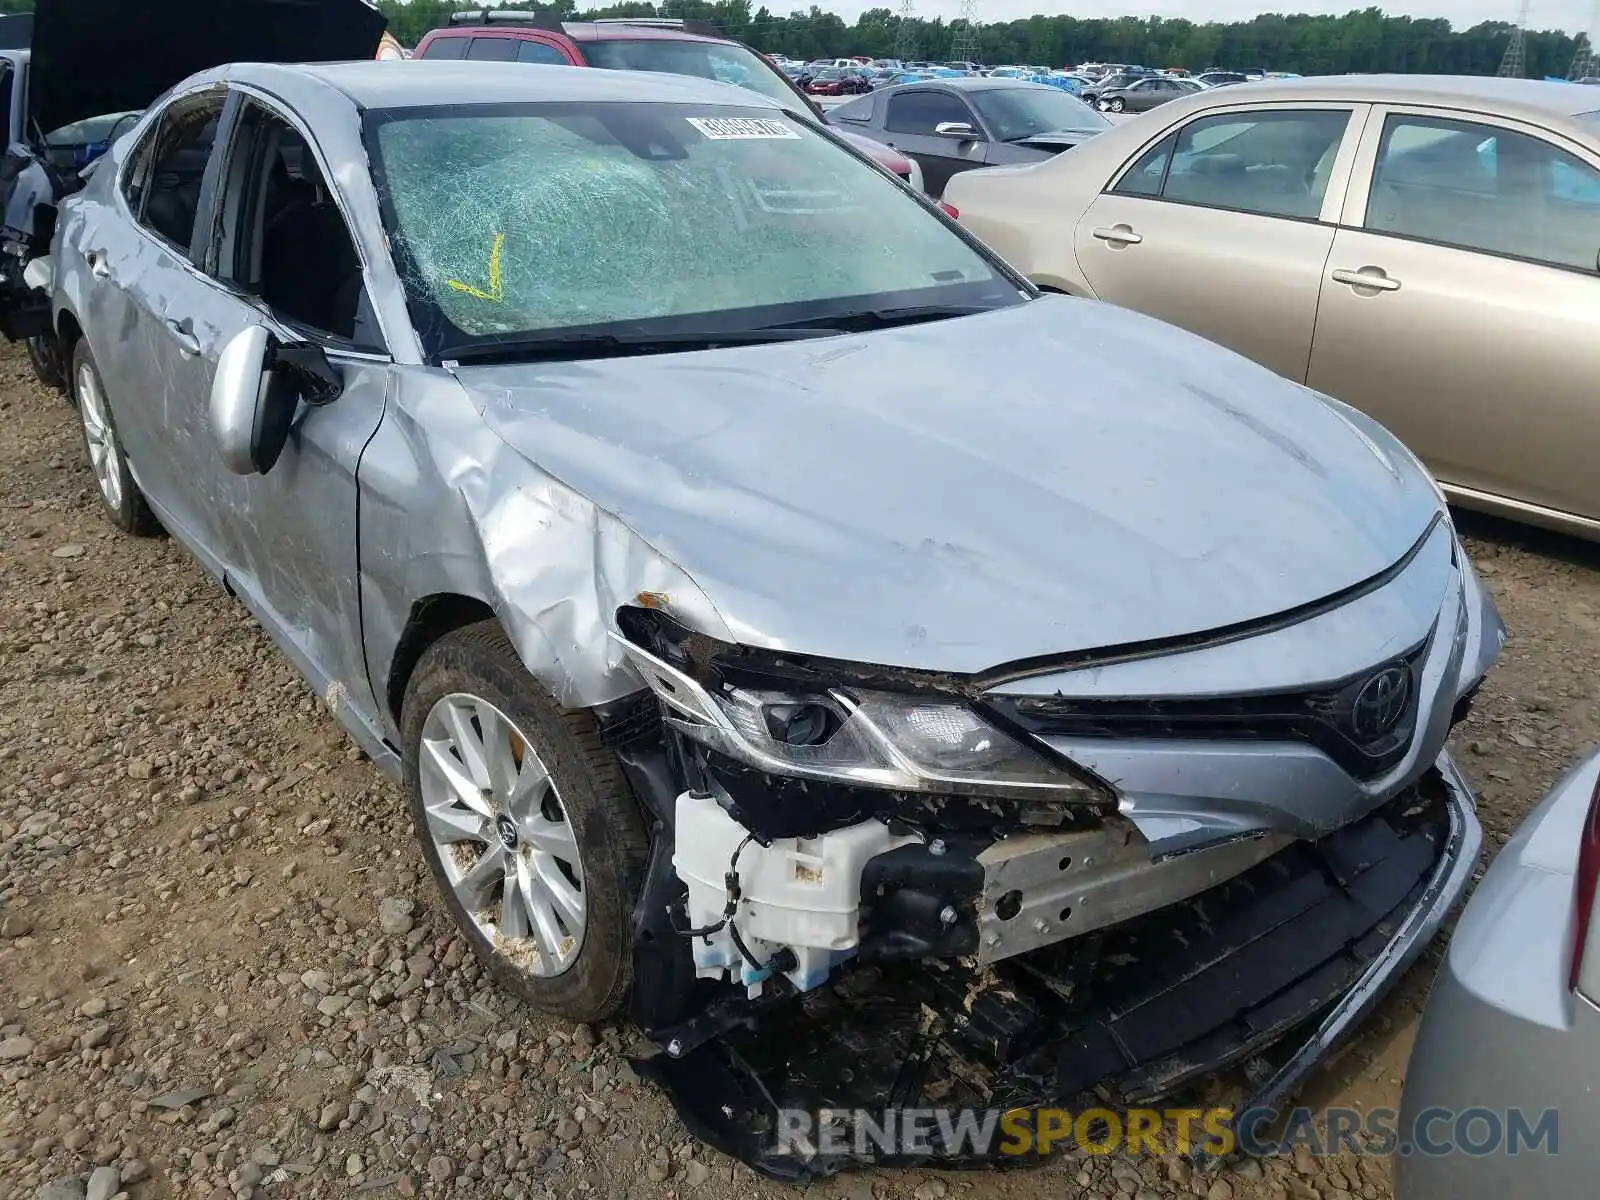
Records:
x=1336, y=719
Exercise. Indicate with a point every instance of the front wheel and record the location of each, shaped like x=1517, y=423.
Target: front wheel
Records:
x=1118, y=104
x=527, y=824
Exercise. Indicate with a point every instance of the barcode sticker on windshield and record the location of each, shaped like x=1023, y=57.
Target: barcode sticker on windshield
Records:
x=741, y=129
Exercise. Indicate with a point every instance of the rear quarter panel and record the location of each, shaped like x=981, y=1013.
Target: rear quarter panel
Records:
x=1027, y=215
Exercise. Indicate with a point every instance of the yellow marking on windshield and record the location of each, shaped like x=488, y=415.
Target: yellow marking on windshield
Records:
x=496, y=292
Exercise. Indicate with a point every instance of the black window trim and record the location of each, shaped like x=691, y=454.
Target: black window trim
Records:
x=1173, y=133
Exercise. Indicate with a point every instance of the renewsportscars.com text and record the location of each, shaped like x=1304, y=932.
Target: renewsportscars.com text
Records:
x=961, y=1133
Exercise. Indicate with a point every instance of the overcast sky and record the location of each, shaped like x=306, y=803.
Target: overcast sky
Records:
x=1571, y=15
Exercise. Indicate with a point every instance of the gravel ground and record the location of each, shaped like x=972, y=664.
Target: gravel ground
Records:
x=223, y=973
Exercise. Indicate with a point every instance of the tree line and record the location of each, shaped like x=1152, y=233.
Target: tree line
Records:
x=1366, y=40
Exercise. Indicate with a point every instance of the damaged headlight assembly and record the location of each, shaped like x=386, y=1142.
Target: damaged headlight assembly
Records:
x=863, y=737
x=825, y=815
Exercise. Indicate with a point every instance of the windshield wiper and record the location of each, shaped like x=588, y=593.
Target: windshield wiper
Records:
x=570, y=347
x=884, y=318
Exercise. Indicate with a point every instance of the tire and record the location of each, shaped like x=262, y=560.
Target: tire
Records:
x=44, y=354
x=124, y=503
x=1118, y=104
x=470, y=687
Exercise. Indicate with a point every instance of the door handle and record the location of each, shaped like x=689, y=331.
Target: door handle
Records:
x=188, y=344
x=1119, y=235
x=1368, y=277
x=98, y=267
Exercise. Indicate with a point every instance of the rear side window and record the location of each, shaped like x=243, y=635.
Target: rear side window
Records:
x=858, y=111
x=445, y=47
x=178, y=159
x=1148, y=175
x=1481, y=187
x=493, y=49
x=1273, y=164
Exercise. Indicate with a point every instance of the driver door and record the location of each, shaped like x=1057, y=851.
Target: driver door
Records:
x=282, y=257
x=910, y=120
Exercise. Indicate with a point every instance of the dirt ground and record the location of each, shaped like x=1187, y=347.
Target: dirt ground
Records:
x=196, y=990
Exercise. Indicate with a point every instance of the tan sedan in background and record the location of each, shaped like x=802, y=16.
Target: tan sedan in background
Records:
x=1424, y=248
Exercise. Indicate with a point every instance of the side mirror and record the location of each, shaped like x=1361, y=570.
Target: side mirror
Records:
x=960, y=130
x=256, y=391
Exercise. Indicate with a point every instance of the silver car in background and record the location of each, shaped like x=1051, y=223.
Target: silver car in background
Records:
x=603, y=449
x=1511, y=1031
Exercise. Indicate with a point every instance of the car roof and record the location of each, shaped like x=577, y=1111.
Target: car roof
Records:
x=584, y=31
x=984, y=83
x=417, y=83
x=1531, y=97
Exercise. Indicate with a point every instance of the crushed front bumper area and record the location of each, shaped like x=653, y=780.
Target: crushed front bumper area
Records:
x=1263, y=972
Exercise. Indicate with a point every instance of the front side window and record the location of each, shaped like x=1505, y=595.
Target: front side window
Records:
x=726, y=62
x=923, y=112
x=1014, y=113
x=1481, y=187
x=1274, y=164
x=181, y=149
x=283, y=238
x=536, y=220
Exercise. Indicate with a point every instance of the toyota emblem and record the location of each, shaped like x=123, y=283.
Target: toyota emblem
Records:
x=506, y=829
x=1380, y=703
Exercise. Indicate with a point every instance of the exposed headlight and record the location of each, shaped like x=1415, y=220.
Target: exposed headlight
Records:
x=898, y=741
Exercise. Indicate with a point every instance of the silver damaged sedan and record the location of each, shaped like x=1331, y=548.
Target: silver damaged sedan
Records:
x=1521, y=987
x=883, y=682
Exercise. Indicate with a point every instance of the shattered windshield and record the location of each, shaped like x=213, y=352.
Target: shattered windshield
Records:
x=516, y=220
x=1020, y=112
x=722, y=61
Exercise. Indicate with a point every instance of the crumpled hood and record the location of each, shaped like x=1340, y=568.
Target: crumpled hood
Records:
x=92, y=57
x=1059, y=476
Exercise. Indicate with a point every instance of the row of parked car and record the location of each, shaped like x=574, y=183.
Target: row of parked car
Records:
x=742, y=673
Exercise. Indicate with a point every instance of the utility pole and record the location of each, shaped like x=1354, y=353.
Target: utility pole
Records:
x=1515, y=64
x=964, y=47
x=905, y=38
x=1586, y=63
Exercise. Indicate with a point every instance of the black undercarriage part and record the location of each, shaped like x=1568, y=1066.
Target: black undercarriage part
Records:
x=1142, y=1011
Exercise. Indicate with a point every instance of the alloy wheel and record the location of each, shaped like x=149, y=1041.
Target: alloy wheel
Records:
x=104, y=455
x=502, y=834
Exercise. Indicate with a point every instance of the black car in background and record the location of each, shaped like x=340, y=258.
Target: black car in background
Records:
x=953, y=125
